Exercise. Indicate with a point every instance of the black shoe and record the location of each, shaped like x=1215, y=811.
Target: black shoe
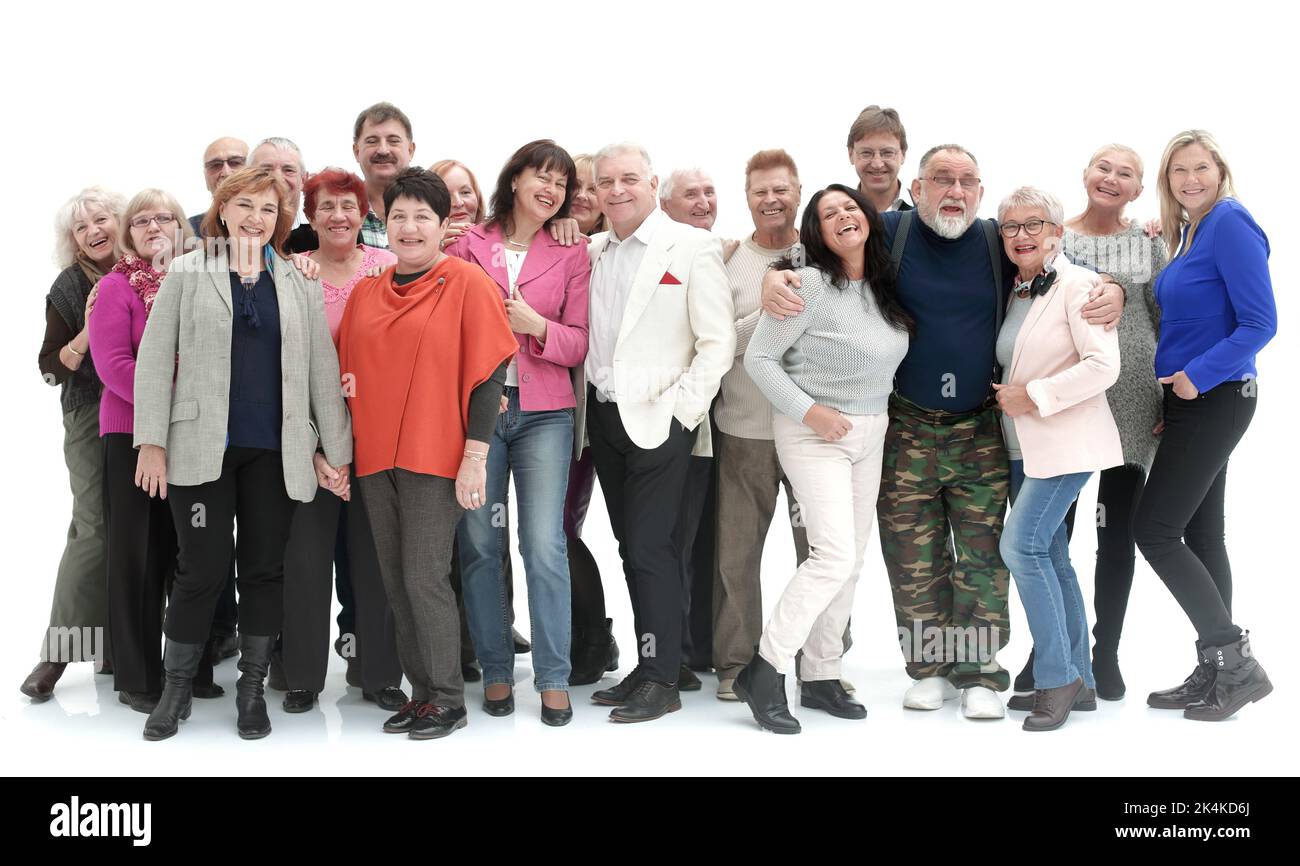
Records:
x=760, y=686
x=250, y=701
x=1193, y=689
x=594, y=653
x=222, y=647
x=471, y=672
x=557, y=718
x=208, y=691
x=650, y=701
x=434, y=722
x=276, y=680
x=180, y=663
x=39, y=684
x=401, y=723
x=830, y=696
x=687, y=681
x=522, y=646
x=390, y=698
x=298, y=701
x=1052, y=707
x=1105, y=669
x=1025, y=679
x=619, y=694
x=1086, y=702
x=1239, y=680
x=503, y=707
x=141, y=702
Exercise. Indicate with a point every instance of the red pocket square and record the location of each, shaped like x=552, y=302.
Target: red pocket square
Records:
x=669, y=280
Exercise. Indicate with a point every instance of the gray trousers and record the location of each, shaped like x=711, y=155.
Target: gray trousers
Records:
x=413, y=518
x=749, y=477
x=81, y=587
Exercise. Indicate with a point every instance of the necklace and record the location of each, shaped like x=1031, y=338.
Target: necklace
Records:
x=514, y=243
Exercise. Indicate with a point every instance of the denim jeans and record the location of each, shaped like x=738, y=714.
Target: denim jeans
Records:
x=535, y=447
x=1035, y=547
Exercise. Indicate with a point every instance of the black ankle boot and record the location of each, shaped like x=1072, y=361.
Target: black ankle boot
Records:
x=1192, y=690
x=1105, y=669
x=763, y=688
x=1238, y=680
x=594, y=653
x=180, y=662
x=1025, y=679
x=250, y=703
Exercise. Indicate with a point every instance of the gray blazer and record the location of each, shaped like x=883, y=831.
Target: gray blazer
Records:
x=188, y=334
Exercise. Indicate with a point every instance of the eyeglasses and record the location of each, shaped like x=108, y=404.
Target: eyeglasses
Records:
x=163, y=220
x=217, y=164
x=944, y=181
x=1032, y=227
x=888, y=154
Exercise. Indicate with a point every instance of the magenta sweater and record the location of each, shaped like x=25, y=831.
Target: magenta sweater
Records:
x=116, y=325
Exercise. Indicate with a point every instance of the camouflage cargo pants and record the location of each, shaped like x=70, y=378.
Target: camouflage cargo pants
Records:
x=943, y=492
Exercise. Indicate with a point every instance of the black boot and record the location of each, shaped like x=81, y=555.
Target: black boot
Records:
x=1238, y=680
x=763, y=688
x=180, y=662
x=1192, y=690
x=250, y=704
x=1025, y=679
x=1105, y=669
x=594, y=653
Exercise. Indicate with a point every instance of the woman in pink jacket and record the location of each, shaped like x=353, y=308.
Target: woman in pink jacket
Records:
x=1058, y=430
x=544, y=288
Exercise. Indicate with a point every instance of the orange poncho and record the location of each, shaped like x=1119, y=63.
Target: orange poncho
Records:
x=410, y=356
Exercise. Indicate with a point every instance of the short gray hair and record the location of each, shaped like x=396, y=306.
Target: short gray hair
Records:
x=939, y=149
x=65, y=245
x=666, y=187
x=283, y=144
x=619, y=148
x=1031, y=197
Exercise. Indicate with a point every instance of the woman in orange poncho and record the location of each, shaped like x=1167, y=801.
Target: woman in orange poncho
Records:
x=423, y=349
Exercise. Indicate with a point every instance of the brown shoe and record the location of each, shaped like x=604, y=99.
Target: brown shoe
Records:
x=1052, y=707
x=39, y=684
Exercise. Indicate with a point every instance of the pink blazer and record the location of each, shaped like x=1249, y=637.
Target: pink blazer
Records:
x=554, y=282
x=1066, y=365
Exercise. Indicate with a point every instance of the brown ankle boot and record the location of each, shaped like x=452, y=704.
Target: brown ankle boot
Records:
x=1052, y=707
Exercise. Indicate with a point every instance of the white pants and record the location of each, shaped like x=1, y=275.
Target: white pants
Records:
x=836, y=484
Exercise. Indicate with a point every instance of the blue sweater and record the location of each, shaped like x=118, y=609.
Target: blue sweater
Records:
x=256, y=392
x=1216, y=301
x=947, y=286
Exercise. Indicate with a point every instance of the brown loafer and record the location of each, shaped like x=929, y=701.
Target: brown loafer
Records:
x=39, y=684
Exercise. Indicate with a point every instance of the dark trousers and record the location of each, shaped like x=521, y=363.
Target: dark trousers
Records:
x=586, y=591
x=1179, y=526
x=308, y=590
x=375, y=643
x=251, y=491
x=226, y=619
x=694, y=537
x=643, y=491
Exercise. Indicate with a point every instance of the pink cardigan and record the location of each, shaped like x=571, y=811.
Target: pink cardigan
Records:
x=116, y=325
x=554, y=282
x=1066, y=365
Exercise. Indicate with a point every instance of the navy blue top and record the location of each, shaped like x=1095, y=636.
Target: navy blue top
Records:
x=948, y=287
x=256, y=395
x=1216, y=300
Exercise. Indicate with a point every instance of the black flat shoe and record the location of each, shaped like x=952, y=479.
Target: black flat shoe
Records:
x=522, y=646
x=208, y=691
x=830, y=696
x=434, y=722
x=298, y=701
x=557, y=718
x=223, y=647
x=390, y=698
x=141, y=702
x=1025, y=679
x=401, y=723
x=471, y=673
x=619, y=694
x=503, y=707
x=687, y=681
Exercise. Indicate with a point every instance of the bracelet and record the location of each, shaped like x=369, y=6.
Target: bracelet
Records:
x=477, y=456
x=74, y=351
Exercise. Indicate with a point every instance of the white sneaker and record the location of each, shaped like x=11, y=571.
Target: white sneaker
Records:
x=727, y=690
x=978, y=702
x=929, y=693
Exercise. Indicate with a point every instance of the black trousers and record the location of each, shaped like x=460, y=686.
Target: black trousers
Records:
x=308, y=591
x=1179, y=526
x=375, y=644
x=643, y=492
x=694, y=537
x=585, y=587
x=226, y=620
x=251, y=491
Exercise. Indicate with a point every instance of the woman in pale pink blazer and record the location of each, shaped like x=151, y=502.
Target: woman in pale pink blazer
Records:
x=544, y=288
x=1058, y=429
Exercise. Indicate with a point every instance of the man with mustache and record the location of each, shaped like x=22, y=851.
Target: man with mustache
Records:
x=946, y=475
x=383, y=145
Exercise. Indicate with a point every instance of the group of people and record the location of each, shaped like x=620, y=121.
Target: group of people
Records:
x=325, y=383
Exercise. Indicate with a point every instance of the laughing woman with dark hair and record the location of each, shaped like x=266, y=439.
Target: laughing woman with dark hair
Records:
x=828, y=373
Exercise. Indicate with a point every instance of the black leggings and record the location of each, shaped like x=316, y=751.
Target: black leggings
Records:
x=1179, y=525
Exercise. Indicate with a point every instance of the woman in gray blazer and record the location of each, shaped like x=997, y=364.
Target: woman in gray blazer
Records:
x=243, y=336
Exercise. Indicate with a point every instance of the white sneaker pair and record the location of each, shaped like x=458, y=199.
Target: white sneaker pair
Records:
x=977, y=702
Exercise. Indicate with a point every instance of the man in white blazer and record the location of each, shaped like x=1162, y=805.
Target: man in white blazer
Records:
x=661, y=337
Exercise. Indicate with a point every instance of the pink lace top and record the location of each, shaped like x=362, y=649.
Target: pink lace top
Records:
x=336, y=297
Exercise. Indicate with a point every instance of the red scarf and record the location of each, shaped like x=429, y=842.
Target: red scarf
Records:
x=142, y=277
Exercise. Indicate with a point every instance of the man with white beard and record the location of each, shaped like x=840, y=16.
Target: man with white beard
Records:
x=945, y=478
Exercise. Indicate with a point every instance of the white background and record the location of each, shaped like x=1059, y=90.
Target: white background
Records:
x=128, y=95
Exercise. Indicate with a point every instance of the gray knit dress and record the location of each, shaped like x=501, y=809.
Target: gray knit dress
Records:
x=1134, y=260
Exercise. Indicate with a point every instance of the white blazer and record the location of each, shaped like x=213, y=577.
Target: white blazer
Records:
x=676, y=340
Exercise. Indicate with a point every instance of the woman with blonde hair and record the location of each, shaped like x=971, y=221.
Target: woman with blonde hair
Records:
x=1216, y=297
x=468, y=207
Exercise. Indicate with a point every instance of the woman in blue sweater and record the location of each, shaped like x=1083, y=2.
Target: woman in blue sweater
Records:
x=1216, y=301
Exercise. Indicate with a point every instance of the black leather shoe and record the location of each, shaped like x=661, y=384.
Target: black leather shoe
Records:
x=1192, y=690
x=390, y=698
x=471, y=672
x=298, y=701
x=687, y=681
x=594, y=653
x=434, y=722
x=619, y=694
x=222, y=647
x=522, y=646
x=401, y=723
x=1025, y=679
x=253, y=722
x=1238, y=680
x=761, y=687
x=830, y=696
x=208, y=691
x=1086, y=702
x=141, y=702
x=650, y=701
x=557, y=718
x=1052, y=707
x=39, y=684
x=503, y=707
x=1105, y=670
x=180, y=663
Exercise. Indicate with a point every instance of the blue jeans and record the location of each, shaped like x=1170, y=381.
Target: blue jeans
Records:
x=536, y=447
x=1035, y=547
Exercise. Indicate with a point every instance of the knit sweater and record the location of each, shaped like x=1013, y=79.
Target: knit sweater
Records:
x=65, y=316
x=839, y=352
x=1133, y=260
x=116, y=327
